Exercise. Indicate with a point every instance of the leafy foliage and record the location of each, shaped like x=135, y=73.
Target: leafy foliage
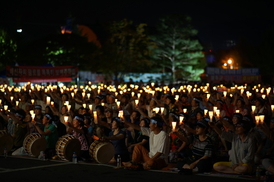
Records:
x=177, y=49
x=8, y=49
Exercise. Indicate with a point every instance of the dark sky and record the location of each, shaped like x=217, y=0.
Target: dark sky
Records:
x=216, y=21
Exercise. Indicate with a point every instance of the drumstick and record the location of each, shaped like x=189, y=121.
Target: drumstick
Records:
x=96, y=137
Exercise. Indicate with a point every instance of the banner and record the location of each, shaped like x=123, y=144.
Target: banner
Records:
x=41, y=74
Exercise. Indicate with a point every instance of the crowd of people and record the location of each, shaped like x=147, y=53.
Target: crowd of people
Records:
x=199, y=128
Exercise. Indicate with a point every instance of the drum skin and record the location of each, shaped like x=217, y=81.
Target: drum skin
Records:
x=6, y=141
x=66, y=145
x=34, y=143
x=101, y=152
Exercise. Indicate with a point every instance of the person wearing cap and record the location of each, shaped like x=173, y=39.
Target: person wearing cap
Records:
x=157, y=156
x=50, y=133
x=117, y=137
x=242, y=153
x=77, y=129
x=201, y=152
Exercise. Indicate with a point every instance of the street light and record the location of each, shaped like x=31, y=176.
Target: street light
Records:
x=229, y=62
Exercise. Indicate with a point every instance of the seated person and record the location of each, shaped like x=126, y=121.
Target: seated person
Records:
x=50, y=133
x=241, y=158
x=201, y=152
x=157, y=156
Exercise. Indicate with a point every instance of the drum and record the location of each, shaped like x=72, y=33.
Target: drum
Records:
x=6, y=141
x=102, y=152
x=34, y=143
x=66, y=145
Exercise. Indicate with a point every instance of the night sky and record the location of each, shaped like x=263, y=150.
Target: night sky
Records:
x=216, y=21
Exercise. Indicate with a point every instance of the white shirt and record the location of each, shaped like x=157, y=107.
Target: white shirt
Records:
x=157, y=143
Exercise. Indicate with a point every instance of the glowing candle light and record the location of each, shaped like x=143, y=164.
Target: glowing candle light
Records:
x=32, y=101
x=184, y=110
x=17, y=103
x=253, y=108
x=118, y=103
x=95, y=117
x=205, y=111
x=31, y=112
x=261, y=118
x=156, y=109
x=72, y=94
x=237, y=111
x=52, y=103
x=136, y=102
x=48, y=100
x=33, y=116
x=210, y=113
x=11, y=98
x=162, y=110
x=225, y=93
x=84, y=105
x=257, y=119
x=181, y=118
x=68, y=106
x=90, y=107
x=6, y=107
x=174, y=125
x=138, y=95
x=263, y=96
x=121, y=113
x=66, y=118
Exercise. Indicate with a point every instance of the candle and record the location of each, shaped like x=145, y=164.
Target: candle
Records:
x=205, y=111
x=181, y=118
x=17, y=103
x=11, y=98
x=72, y=94
x=95, y=117
x=156, y=109
x=254, y=107
x=218, y=113
x=257, y=119
x=237, y=111
x=103, y=104
x=90, y=107
x=184, y=110
x=52, y=103
x=174, y=125
x=136, y=102
x=210, y=113
x=31, y=112
x=121, y=114
x=66, y=118
x=32, y=101
x=225, y=93
x=162, y=110
x=139, y=95
x=6, y=107
x=261, y=118
x=84, y=105
x=48, y=100
x=88, y=94
x=69, y=106
x=263, y=96
x=272, y=107
x=33, y=116
x=118, y=104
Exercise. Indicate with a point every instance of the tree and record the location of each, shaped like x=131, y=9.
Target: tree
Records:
x=8, y=49
x=178, y=49
x=60, y=50
x=125, y=49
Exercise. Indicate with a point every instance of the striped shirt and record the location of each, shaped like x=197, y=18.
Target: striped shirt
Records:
x=202, y=148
